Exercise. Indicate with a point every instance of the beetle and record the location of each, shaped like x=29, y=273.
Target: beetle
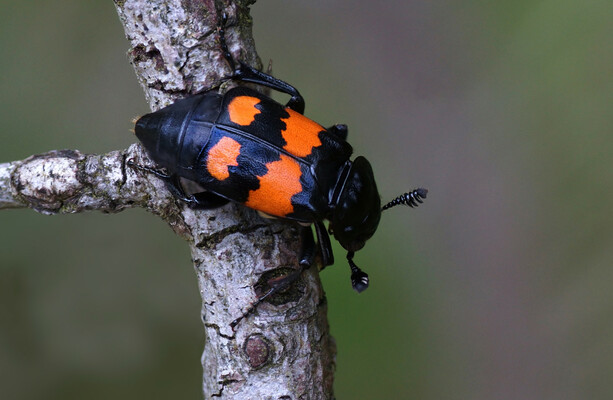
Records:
x=242, y=146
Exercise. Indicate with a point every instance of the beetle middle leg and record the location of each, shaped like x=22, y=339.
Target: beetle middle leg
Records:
x=276, y=285
x=199, y=200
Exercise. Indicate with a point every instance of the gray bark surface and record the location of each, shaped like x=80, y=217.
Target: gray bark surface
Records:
x=281, y=351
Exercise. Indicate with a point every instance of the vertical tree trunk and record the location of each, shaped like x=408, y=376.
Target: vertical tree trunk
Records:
x=283, y=350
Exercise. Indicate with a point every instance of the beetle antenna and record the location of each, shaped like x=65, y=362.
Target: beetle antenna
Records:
x=359, y=278
x=411, y=199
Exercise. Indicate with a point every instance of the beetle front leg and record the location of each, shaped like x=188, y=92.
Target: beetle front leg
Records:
x=325, y=247
x=359, y=278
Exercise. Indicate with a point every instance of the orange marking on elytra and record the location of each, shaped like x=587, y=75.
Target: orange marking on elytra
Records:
x=277, y=187
x=242, y=110
x=301, y=134
x=221, y=156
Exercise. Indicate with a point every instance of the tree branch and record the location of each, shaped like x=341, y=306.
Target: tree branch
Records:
x=66, y=181
x=283, y=350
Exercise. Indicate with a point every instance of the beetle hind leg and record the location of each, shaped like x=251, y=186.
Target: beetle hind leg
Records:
x=246, y=73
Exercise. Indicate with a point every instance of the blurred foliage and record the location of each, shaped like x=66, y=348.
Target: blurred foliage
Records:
x=497, y=287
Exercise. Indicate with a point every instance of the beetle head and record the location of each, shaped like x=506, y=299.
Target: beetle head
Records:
x=358, y=208
x=357, y=213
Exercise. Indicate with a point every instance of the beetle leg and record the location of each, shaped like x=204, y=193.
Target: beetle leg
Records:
x=171, y=181
x=340, y=130
x=247, y=73
x=327, y=256
x=160, y=174
x=201, y=200
x=207, y=200
x=307, y=256
x=174, y=186
x=359, y=278
x=276, y=285
x=221, y=32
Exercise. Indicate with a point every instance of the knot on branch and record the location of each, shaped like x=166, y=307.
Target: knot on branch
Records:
x=47, y=181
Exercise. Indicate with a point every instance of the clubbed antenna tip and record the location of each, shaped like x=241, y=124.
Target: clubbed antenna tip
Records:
x=411, y=199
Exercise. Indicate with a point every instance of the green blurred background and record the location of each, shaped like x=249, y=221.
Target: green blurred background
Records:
x=499, y=287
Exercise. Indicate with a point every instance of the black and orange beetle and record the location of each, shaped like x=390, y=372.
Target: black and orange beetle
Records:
x=242, y=146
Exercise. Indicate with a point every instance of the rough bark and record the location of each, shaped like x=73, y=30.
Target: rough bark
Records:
x=281, y=351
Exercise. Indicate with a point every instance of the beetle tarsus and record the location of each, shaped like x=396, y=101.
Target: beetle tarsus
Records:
x=359, y=278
